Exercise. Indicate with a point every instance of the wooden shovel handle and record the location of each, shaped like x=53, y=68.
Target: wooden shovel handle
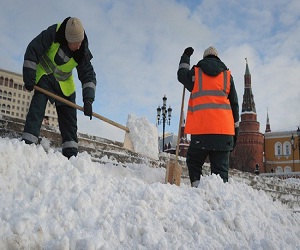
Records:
x=71, y=104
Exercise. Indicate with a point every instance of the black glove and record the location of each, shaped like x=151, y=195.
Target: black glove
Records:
x=29, y=78
x=29, y=87
x=188, y=51
x=236, y=133
x=88, y=109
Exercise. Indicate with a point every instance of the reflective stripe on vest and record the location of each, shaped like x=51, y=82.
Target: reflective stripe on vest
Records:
x=209, y=110
x=69, y=144
x=50, y=68
x=62, y=73
x=30, y=137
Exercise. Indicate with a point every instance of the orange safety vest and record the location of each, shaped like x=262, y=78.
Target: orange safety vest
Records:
x=209, y=110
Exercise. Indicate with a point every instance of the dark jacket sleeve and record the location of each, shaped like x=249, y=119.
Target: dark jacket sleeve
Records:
x=35, y=49
x=234, y=103
x=87, y=75
x=184, y=74
x=233, y=99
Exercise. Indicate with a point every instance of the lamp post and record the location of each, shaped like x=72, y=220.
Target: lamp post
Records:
x=293, y=148
x=298, y=133
x=164, y=117
x=296, y=145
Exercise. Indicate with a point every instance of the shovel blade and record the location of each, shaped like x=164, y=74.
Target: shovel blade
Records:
x=128, y=143
x=173, y=173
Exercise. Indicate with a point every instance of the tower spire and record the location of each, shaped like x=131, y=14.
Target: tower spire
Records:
x=268, y=127
x=247, y=72
x=248, y=98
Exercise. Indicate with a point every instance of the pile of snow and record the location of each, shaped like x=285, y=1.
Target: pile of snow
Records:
x=143, y=135
x=50, y=202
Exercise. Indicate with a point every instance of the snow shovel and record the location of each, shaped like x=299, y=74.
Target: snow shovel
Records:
x=127, y=141
x=174, y=170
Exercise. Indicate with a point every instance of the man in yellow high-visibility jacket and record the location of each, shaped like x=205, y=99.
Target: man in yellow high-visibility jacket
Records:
x=48, y=62
x=213, y=113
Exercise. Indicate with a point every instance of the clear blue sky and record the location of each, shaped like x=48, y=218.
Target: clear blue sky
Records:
x=137, y=46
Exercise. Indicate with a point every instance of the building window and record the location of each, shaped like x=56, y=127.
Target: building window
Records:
x=287, y=148
x=287, y=169
x=278, y=149
x=11, y=83
x=279, y=169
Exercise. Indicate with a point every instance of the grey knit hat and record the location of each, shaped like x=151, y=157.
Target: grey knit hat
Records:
x=210, y=51
x=74, y=30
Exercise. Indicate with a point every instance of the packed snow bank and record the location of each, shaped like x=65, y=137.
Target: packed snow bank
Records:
x=143, y=135
x=49, y=202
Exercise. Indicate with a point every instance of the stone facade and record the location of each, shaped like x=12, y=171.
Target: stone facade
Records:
x=280, y=155
x=15, y=99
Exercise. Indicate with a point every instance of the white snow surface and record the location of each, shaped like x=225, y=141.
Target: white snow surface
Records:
x=50, y=202
x=143, y=135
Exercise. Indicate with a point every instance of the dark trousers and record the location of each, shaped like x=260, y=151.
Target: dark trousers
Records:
x=35, y=117
x=219, y=162
x=67, y=118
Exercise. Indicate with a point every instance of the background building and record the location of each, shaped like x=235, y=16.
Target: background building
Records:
x=282, y=151
x=15, y=99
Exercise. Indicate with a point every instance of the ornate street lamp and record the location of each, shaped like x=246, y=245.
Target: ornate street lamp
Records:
x=164, y=117
x=298, y=133
x=293, y=148
x=296, y=145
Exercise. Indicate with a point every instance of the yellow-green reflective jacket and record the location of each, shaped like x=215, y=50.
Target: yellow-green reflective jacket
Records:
x=62, y=73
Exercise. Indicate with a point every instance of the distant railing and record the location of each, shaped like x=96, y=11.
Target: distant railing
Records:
x=281, y=175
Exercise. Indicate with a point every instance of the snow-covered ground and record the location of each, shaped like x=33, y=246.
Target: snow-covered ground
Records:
x=50, y=202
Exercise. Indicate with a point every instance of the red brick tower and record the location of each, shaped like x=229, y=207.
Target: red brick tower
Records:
x=249, y=147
